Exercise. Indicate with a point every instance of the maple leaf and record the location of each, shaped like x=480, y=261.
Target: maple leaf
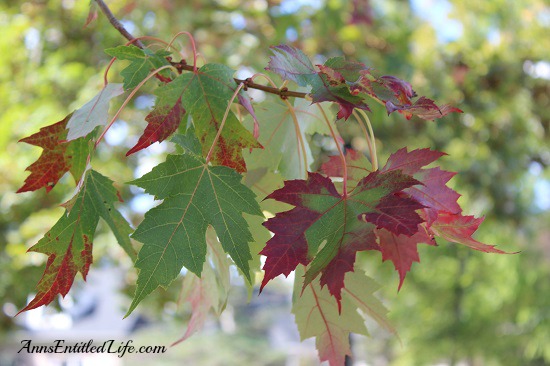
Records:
x=283, y=150
x=57, y=157
x=318, y=316
x=68, y=243
x=142, y=62
x=334, y=227
x=173, y=234
x=163, y=121
x=205, y=95
x=92, y=114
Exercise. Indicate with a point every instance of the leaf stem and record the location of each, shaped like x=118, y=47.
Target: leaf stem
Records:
x=209, y=155
x=374, y=156
x=134, y=91
x=340, y=152
x=361, y=124
x=193, y=45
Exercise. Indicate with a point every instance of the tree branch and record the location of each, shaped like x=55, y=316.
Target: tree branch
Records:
x=284, y=93
x=117, y=24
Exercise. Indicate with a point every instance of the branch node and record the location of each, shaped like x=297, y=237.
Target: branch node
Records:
x=283, y=93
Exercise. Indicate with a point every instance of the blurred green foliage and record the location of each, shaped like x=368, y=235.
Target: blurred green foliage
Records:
x=486, y=57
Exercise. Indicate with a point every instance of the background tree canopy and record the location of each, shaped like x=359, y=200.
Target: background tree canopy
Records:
x=490, y=58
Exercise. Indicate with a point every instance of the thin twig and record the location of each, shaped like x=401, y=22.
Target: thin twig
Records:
x=116, y=23
x=283, y=92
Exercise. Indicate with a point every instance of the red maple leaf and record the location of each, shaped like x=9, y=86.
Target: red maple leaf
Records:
x=326, y=229
x=163, y=122
x=68, y=243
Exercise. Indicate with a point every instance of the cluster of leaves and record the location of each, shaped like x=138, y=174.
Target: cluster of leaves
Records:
x=210, y=217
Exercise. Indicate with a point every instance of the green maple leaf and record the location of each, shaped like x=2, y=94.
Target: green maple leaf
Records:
x=69, y=242
x=142, y=62
x=205, y=95
x=173, y=234
x=282, y=145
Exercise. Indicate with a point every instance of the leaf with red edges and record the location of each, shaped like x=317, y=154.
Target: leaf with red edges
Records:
x=68, y=244
x=333, y=226
x=351, y=71
x=396, y=94
x=163, y=121
x=206, y=95
x=424, y=108
x=289, y=248
x=57, y=158
x=434, y=193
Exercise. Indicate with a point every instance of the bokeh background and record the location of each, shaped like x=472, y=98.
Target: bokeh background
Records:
x=491, y=58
